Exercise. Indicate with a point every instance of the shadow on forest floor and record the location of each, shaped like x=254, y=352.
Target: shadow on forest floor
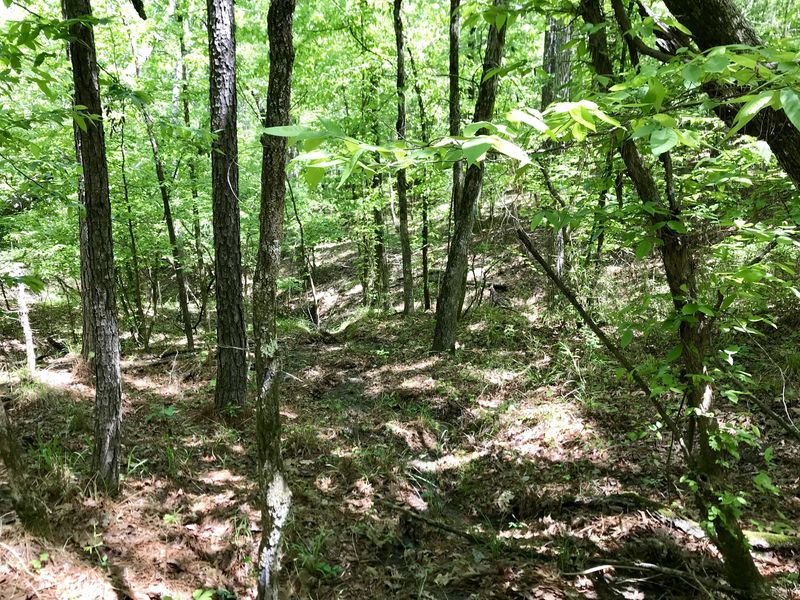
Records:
x=534, y=446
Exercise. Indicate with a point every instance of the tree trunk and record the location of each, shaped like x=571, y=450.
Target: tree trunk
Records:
x=402, y=184
x=27, y=334
x=177, y=252
x=380, y=253
x=453, y=288
x=455, y=109
x=91, y=152
x=275, y=493
x=426, y=138
x=87, y=315
x=718, y=23
x=680, y=272
x=136, y=278
x=192, y=164
x=231, y=336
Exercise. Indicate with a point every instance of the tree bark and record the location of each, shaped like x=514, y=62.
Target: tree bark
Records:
x=177, y=252
x=231, y=336
x=275, y=493
x=402, y=183
x=454, y=106
x=91, y=152
x=426, y=138
x=454, y=281
x=27, y=334
x=720, y=22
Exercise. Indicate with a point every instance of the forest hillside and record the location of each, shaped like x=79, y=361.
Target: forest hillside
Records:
x=399, y=299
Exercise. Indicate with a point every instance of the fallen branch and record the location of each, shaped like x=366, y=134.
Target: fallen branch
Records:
x=615, y=351
x=481, y=540
x=650, y=567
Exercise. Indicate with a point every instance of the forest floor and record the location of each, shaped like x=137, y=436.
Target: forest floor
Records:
x=528, y=456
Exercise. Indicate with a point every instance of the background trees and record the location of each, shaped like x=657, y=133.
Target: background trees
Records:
x=418, y=139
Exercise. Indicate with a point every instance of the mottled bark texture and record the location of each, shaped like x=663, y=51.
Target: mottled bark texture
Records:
x=556, y=62
x=454, y=102
x=91, y=152
x=402, y=183
x=454, y=282
x=275, y=493
x=718, y=23
x=27, y=334
x=231, y=336
x=680, y=272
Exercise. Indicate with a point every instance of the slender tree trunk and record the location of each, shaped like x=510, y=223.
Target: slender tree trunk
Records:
x=87, y=315
x=136, y=278
x=453, y=288
x=183, y=23
x=231, y=336
x=275, y=493
x=402, y=184
x=718, y=23
x=91, y=152
x=426, y=138
x=557, y=62
x=308, y=270
x=379, y=228
x=27, y=334
x=454, y=106
x=177, y=252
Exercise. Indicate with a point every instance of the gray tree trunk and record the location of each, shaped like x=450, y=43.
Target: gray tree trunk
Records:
x=27, y=334
x=275, y=493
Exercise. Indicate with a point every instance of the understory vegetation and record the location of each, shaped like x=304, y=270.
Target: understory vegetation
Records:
x=399, y=299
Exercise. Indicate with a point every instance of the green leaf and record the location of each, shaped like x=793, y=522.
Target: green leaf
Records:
x=655, y=95
x=511, y=150
x=626, y=338
x=716, y=63
x=764, y=482
x=643, y=248
x=675, y=353
x=474, y=149
x=790, y=101
x=663, y=140
x=313, y=175
x=750, y=110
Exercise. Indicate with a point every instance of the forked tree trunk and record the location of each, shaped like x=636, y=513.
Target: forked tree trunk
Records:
x=91, y=152
x=231, y=336
x=453, y=288
x=402, y=183
x=275, y=494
